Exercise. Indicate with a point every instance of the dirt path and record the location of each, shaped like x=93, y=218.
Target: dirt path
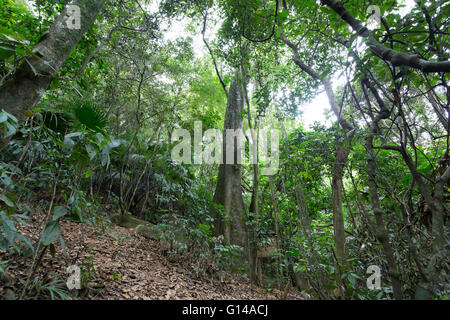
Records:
x=129, y=266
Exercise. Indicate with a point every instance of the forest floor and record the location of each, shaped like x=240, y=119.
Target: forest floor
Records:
x=123, y=265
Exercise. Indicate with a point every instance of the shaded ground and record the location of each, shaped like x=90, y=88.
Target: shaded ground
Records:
x=124, y=265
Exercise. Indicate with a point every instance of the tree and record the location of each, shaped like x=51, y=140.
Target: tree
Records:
x=228, y=194
x=32, y=78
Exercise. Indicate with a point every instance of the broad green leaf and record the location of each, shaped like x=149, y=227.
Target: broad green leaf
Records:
x=3, y=117
x=6, y=200
x=51, y=233
x=59, y=212
x=91, y=151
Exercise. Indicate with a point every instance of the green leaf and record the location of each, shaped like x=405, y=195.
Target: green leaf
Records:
x=21, y=52
x=11, y=130
x=59, y=212
x=3, y=117
x=11, y=36
x=54, y=84
x=105, y=157
x=299, y=267
x=293, y=253
x=6, y=52
x=51, y=233
x=68, y=143
x=91, y=152
x=282, y=16
x=6, y=200
x=90, y=114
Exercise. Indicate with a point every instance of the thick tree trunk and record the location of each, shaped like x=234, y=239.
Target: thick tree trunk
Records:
x=27, y=86
x=228, y=191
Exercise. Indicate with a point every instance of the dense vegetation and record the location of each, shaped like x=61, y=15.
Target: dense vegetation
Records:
x=89, y=116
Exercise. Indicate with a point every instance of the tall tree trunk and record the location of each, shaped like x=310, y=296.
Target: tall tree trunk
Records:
x=228, y=190
x=32, y=78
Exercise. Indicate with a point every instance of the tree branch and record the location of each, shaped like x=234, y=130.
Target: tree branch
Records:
x=205, y=18
x=387, y=54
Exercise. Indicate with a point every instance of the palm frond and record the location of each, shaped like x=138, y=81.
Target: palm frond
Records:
x=90, y=114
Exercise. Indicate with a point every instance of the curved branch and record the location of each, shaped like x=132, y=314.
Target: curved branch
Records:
x=324, y=80
x=273, y=28
x=205, y=18
x=387, y=54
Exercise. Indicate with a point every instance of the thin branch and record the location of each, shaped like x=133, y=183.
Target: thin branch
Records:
x=205, y=18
